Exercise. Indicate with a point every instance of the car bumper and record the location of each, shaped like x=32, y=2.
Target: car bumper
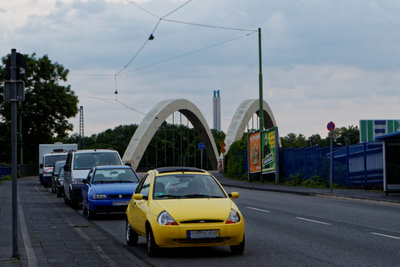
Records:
x=76, y=191
x=177, y=235
x=46, y=180
x=108, y=206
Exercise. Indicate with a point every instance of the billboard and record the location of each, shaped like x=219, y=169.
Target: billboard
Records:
x=370, y=129
x=254, y=153
x=269, y=152
x=269, y=157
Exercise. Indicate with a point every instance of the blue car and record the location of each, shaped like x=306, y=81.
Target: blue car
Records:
x=108, y=189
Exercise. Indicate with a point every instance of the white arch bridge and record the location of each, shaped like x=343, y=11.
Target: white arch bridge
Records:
x=160, y=112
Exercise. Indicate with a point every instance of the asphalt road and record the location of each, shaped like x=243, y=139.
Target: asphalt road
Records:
x=281, y=230
x=292, y=230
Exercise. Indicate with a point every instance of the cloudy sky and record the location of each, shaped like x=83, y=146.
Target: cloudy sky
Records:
x=323, y=60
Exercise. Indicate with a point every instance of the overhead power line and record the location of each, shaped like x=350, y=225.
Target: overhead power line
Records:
x=151, y=37
x=209, y=26
x=191, y=52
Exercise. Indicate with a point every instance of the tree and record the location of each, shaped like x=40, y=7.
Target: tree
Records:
x=47, y=106
x=347, y=136
x=293, y=140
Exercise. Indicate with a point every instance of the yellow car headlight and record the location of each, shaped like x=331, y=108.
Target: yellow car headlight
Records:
x=165, y=219
x=233, y=217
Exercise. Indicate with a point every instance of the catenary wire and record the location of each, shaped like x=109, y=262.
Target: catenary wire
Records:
x=208, y=26
x=191, y=52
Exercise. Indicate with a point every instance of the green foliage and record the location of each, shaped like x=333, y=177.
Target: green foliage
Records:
x=5, y=178
x=297, y=180
x=235, y=159
x=341, y=136
x=47, y=106
x=293, y=140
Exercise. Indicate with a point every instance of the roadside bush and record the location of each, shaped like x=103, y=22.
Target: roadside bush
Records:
x=5, y=178
x=235, y=159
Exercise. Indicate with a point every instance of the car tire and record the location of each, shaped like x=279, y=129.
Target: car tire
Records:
x=53, y=187
x=131, y=236
x=66, y=200
x=90, y=214
x=84, y=211
x=74, y=204
x=238, y=249
x=58, y=192
x=152, y=248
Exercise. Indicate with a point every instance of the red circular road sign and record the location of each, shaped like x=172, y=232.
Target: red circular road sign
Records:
x=331, y=126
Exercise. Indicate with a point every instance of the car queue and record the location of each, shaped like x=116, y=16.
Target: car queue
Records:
x=170, y=206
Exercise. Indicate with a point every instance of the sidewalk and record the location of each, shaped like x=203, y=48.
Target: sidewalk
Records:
x=51, y=234
x=356, y=194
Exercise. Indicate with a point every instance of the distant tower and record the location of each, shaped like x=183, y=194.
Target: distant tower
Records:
x=217, y=111
x=81, y=127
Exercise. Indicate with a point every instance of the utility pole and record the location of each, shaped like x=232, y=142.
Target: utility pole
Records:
x=14, y=92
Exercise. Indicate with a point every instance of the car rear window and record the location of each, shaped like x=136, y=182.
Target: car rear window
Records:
x=85, y=161
x=115, y=176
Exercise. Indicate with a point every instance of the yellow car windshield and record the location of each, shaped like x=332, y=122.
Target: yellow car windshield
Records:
x=183, y=185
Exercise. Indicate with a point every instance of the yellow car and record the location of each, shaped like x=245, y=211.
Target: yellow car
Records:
x=183, y=207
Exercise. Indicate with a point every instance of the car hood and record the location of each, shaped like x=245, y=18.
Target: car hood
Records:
x=114, y=188
x=197, y=209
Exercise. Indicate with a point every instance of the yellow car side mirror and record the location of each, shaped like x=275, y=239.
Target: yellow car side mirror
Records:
x=138, y=196
x=234, y=195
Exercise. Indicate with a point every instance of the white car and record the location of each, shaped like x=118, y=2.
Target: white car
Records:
x=77, y=167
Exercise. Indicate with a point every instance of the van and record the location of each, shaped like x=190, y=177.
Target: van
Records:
x=77, y=167
x=47, y=166
x=52, y=148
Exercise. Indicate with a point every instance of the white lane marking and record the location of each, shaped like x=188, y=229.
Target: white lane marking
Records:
x=313, y=221
x=389, y=236
x=30, y=253
x=258, y=209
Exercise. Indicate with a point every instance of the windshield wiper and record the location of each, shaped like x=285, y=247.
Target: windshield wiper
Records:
x=167, y=196
x=196, y=196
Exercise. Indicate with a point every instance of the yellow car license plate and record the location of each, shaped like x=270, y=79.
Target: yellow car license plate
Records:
x=201, y=234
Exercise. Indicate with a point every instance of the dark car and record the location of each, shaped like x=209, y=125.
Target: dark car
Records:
x=56, y=170
x=60, y=183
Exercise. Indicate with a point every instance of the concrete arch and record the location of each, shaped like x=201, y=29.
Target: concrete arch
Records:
x=153, y=120
x=241, y=117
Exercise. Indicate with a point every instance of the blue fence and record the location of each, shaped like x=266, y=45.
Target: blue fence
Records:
x=5, y=170
x=359, y=165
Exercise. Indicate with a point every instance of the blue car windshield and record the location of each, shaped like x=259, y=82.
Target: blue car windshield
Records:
x=186, y=186
x=114, y=176
x=85, y=161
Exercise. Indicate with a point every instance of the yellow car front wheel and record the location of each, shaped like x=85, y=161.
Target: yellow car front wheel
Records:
x=131, y=236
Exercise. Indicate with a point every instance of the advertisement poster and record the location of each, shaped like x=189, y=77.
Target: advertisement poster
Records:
x=254, y=153
x=269, y=157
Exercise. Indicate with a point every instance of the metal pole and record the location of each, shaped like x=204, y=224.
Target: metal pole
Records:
x=261, y=103
x=331, y=168
x=21, y=147
x=201, y=161
x=14, y=151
